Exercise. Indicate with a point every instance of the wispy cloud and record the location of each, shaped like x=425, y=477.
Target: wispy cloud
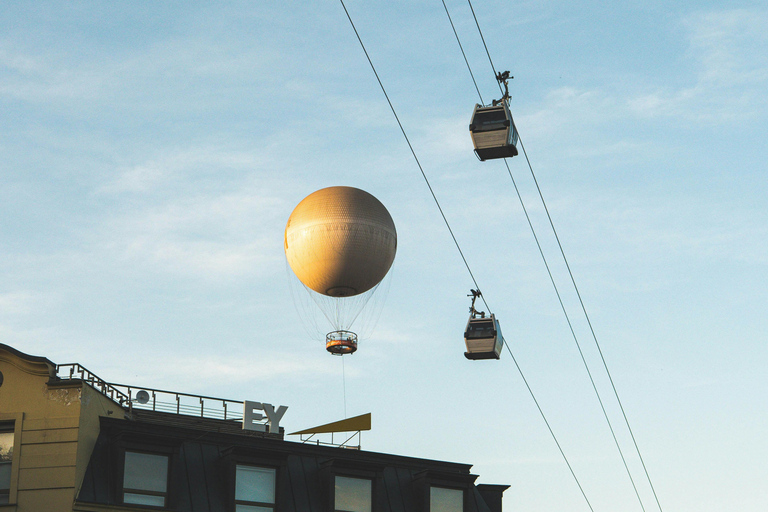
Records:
x=16, y=303
x=727, y=49
x=172, y=370
x=213, y=236
x=206, y=211
x=732, y=46
x=730, y=49
x=183, y=168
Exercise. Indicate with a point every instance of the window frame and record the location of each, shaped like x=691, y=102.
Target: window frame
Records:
x=425, y=480
x=12, y=423
x=145, y=492
x=344, y=474
x=350, y=468
x=438, y=485
x=262, y=504
x=256, y=457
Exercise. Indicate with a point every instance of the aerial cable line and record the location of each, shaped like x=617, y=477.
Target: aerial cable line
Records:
x=525, y=381
x=581, y=302
x=477, y=23
x=462, y=52
x=597, y=344
x=413, y=152
x=381, y=85
x=530, y=390
x=573, y=333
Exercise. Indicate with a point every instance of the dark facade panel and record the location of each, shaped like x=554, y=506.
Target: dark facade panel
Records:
x=202, y=470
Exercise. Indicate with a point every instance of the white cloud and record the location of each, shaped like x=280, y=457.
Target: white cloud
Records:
x=17, y=62
x=208, y=236
x=183, y=168
x=207, y=211
x=732, y=46
x=16, y=303
x=244, y=370
x=729, y=50
x=42, y=77
x=152, y=369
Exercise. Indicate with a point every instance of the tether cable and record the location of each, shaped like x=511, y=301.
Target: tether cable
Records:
x=581, y=302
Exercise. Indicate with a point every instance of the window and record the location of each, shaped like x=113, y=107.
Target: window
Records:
x=6, y=459
x=352, y=494
x=145, y=480
x=442, y=499
x=255, y=489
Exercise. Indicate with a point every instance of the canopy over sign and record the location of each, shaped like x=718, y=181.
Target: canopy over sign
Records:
x=355, y=424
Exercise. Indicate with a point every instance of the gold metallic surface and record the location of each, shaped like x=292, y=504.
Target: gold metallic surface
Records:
x=340, y=241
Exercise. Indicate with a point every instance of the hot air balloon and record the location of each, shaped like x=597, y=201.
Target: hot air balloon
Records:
x=340, y=243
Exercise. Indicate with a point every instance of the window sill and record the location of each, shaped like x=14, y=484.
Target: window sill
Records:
x=80, y=506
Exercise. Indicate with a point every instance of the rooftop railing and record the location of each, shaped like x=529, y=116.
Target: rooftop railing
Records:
x=133, y=397
x=72, y=371
x=182, y=403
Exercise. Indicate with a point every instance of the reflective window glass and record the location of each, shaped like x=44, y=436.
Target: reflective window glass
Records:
x=145, y=480
x=446, y=500
x=255, y=489
x=6, y=458
x=482, y=329
x=352, y=494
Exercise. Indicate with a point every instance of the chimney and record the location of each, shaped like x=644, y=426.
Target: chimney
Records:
x=492, y=495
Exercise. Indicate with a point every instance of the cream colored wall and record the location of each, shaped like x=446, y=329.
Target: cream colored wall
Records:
x=45, y=456
x=59, y=427
x=92, y=405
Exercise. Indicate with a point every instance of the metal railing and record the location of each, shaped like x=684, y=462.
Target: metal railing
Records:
x=76, y=371
x=130, y=397
x=343, y=444
x=182, y=403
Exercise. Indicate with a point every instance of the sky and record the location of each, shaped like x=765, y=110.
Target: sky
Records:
x=151, y=154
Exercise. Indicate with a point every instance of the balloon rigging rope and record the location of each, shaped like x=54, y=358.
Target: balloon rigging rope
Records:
x=576, y=288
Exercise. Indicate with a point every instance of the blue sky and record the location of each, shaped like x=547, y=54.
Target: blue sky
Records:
x=152, y=153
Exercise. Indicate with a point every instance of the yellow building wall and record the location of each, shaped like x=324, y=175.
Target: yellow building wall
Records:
x=59, y=424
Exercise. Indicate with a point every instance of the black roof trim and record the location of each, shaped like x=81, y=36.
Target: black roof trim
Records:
x=27, y=357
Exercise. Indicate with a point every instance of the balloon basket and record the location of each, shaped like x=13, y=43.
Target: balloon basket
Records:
x=339, y=343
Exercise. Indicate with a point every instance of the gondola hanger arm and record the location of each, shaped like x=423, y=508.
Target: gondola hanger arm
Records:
x=502, y=78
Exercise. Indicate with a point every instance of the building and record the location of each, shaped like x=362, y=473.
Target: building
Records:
x=70, y=441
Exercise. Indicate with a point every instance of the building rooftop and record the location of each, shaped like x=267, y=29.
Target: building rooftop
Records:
x=88, y=445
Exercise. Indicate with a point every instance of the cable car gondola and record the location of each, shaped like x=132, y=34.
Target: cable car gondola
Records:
x=493, y=132
x=483, y=334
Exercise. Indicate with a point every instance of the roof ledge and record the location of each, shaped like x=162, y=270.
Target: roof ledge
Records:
x=34, y=365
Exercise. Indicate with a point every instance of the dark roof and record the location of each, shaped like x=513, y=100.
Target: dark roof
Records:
x=203, y=461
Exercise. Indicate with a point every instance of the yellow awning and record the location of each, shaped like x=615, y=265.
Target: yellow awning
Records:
x=362, y=422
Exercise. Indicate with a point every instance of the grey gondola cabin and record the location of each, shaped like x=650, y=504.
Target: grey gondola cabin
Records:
x=493, y=132
x=483, y=338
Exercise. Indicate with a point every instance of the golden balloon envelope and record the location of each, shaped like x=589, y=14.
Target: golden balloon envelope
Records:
x=340, y=241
